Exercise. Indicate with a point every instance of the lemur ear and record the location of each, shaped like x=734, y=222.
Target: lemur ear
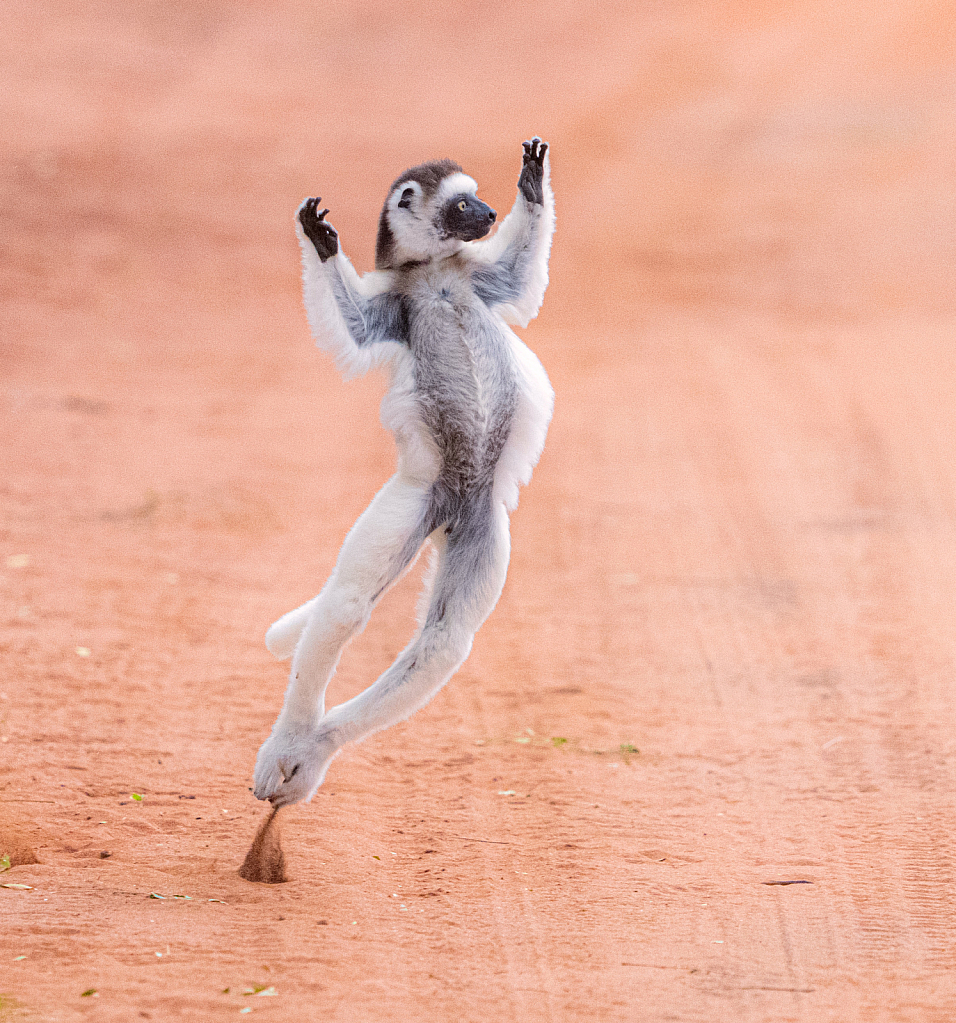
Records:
x=406, y=199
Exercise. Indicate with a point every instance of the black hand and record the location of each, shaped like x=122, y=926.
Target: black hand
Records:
x=531, y=182
x=322, y=235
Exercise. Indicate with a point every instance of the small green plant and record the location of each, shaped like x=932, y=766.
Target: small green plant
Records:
x=260, y=989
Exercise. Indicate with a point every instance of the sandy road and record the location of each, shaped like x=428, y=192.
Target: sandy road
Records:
x=737, y=555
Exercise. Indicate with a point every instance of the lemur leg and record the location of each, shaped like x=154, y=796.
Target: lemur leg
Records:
x=379, y=548
x=398, y=504
x=473, y=562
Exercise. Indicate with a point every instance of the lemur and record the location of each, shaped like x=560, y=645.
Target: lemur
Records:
x=469, y=406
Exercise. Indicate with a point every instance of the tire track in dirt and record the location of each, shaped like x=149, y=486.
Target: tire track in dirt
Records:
x=906, y=926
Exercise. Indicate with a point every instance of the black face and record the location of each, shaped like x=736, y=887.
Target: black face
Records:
x=467, y=218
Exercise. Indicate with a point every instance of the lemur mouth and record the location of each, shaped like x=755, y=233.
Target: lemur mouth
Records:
x=473, y=236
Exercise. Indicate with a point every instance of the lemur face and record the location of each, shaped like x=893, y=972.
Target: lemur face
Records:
x=430, y=211
x=465, y=217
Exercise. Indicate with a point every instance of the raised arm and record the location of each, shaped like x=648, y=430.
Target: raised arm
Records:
x=512, y=271
x=355, y=319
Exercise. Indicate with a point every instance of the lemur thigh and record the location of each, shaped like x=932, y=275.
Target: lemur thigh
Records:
x=379, y=548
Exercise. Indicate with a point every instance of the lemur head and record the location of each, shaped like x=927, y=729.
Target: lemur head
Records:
x=431, y=210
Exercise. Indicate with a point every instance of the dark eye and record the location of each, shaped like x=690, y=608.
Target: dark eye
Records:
x=463, y=206
x=406, y=199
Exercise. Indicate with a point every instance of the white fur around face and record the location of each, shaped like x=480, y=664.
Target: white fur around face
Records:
x=455, y=184
x=400, y=194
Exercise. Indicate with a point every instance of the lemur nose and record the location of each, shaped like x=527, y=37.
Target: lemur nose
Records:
x=492, y=216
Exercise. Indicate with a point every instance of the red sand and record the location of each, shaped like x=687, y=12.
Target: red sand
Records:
x=738, y=554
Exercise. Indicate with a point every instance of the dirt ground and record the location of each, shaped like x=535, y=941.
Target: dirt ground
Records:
x=724, y=658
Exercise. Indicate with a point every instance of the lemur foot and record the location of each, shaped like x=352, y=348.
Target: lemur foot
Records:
x=531, y=182
x=291, y=764
x=322, y=235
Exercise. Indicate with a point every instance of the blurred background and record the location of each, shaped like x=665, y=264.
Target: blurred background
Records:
x=787, y=158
